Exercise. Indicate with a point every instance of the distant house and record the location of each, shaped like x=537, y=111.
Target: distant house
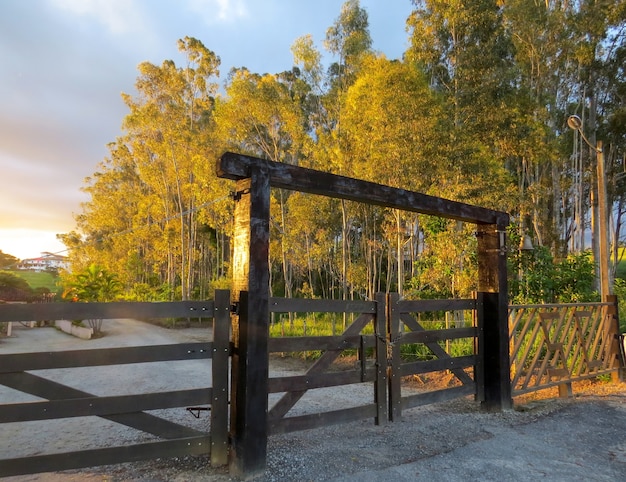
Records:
x=44, y=262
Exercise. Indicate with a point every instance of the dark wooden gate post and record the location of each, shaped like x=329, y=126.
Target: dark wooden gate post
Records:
x=250, y=359
x=219, y=367
x=493, y=373
x=393, y=358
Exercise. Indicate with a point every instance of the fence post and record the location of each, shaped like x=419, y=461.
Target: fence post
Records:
x=380, y=386
x=493, y=370
x=219, y=368
x=250, y=359
x=393, y=358
x=616, y=341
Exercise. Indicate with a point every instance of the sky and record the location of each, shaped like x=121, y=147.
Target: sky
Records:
x=65, y=63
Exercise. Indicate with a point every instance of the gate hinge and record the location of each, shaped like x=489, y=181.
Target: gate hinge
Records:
x=234, y=308
x=236, y=195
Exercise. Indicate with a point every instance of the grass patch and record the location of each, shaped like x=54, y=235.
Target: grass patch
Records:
x=39, y=279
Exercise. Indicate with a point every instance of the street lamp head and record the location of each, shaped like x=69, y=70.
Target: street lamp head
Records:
x=574, y=122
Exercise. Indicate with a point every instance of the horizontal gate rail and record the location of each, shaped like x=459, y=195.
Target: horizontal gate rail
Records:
x=18, y=371
x=106, y=311
x=320, y=380
x=421, y=306
x=97, y=406
x=305, y=305
x=309, y=343
x=446, y=363
x=105, y=456
x=16, y=362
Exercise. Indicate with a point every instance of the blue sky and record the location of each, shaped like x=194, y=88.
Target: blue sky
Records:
x=64, y=64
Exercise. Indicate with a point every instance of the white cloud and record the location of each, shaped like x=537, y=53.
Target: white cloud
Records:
x=213, y=11
x=118, y=16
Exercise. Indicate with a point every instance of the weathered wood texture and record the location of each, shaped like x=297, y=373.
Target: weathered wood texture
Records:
x=555, y=345
x=494, y=384
x=492, y=373
x=386, y=367
x=61, y=401
x=237, y=166
x=198, y=445
x=250, y=360
x=106, y=311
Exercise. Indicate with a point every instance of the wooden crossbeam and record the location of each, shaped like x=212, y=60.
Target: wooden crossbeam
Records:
x=439, y=352
x=51, y=390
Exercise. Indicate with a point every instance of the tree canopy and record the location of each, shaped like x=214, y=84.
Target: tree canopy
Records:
x=476, y=110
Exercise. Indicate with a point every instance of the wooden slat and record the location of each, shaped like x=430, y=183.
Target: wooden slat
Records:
x=323, y=419
x=96, y=406
x=104, y=456
x=420, y=306
x=558, y=372
x=456, y=363
x=41, y=387
x=394, y=360
x=285, y=176
x=319, y=380
x=382, y=380
x=550, y=315
x=16, y=362
x=559, y=305
x=310, y=343
x=105, y=311
x=437, y=396
x=304, y=305
x=432, y=336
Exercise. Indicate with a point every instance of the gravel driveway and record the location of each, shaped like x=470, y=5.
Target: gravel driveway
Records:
x=583, y=438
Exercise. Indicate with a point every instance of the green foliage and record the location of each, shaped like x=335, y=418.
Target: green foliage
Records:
x=14, y=288
x=535, y=277
x=7, y=260
x=473, y=112
x=620, y=291
x=94, y=283
x=49, y=281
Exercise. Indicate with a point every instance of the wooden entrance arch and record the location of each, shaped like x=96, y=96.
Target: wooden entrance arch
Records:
x=250, y=362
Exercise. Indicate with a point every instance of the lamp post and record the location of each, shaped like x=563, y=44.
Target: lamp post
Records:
x=574, y=122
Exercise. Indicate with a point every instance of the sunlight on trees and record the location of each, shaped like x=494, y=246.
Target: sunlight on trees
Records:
x=475, y=111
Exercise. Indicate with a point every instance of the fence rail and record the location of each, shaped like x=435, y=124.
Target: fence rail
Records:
x=557, y=344
x=19, y=372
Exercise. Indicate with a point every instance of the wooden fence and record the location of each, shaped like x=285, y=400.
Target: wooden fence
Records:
x=557, y=344
x=19, y=371
x=376, y=334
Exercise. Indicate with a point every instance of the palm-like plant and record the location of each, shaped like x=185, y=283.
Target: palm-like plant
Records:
x=93, y=284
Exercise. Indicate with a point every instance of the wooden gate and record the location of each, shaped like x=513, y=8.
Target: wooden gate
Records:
x=407, y=328
x=557, y=344
x=20, y=372
x=364, y=335
x=376, y=336
x=254, y=178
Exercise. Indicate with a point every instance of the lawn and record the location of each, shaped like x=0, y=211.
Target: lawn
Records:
x=41, y=279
